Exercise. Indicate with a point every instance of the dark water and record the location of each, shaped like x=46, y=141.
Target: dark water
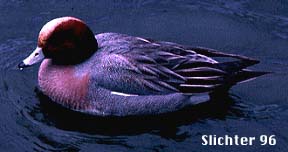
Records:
x=257, y=29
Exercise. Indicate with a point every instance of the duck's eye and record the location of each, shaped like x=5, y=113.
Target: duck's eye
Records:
x=36, y=54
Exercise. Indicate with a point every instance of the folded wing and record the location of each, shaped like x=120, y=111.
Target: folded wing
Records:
x=147, y=67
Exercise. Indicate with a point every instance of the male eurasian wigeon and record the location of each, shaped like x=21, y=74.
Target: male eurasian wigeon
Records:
x=113, y=74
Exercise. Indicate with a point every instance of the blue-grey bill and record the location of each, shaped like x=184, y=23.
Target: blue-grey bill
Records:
x=35, y=57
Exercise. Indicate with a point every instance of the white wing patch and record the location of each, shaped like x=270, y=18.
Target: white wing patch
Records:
x=196, y=85
x=123, y=94
x=139, y=38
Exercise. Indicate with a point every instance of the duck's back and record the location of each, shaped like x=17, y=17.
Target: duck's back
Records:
x=134, y=65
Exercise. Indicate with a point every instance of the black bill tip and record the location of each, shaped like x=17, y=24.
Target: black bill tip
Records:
x=22, y=65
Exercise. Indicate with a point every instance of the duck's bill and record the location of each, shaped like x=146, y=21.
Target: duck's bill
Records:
x=35, y=57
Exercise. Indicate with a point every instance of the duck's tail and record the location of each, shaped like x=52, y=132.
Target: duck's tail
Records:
x=246, y=75
x=238, y=70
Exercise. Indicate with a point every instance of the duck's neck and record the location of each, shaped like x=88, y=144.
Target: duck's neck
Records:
x=63, y=86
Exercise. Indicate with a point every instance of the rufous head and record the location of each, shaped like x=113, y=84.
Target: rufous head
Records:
x=66, y=40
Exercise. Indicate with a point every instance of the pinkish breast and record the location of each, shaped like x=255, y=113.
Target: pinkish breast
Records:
x=60, y=83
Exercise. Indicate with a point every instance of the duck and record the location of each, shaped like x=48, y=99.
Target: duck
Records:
x=113, y=74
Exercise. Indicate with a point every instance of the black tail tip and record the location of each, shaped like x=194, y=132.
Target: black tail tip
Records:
x=246, y=75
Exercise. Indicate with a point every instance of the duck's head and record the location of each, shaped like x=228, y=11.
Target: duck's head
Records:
x=65, y=40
